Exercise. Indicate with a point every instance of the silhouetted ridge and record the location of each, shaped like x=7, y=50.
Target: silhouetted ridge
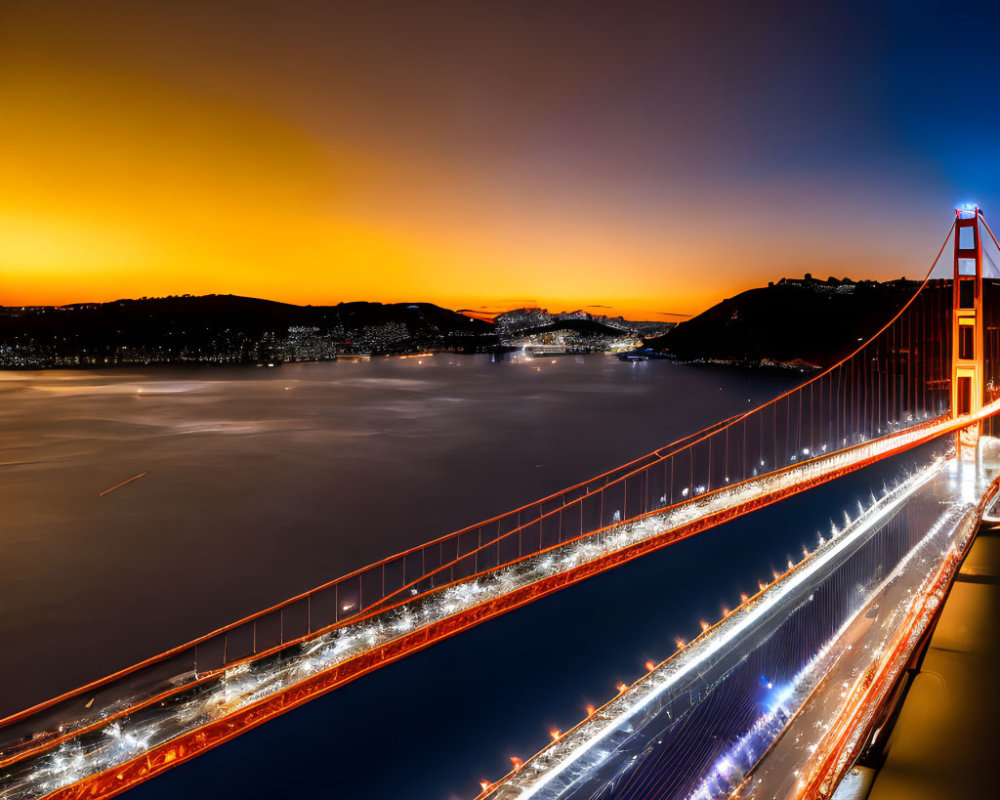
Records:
x=797, y=322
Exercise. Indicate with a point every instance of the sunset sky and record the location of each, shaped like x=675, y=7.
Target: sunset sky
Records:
x=484, y=155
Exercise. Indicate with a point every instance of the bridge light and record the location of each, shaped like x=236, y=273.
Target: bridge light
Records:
x=725, y=766
x=650, y=666
x=743, y=597
x=704, y=626
x=622, y=688
x=486, y=785
x=590, y=710
x=725, y=611
x=556, y=734
x=516, y=762
x=679, y=643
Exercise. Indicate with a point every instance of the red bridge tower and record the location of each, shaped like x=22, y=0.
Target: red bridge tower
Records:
x=967, y=328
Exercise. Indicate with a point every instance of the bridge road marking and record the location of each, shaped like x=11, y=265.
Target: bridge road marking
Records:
x=120, y=485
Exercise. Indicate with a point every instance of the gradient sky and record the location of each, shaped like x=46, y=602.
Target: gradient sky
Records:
x=485, y=154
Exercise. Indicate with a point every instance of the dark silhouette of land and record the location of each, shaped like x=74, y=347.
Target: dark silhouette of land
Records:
x=225, y=329
x=802, y=323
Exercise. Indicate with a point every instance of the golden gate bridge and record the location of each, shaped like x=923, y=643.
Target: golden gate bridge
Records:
x=924, y=379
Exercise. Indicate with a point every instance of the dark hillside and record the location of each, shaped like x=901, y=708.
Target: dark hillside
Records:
x=817, y=322
x=221, y=329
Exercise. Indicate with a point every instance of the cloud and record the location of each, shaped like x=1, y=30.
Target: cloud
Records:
x=485, y=316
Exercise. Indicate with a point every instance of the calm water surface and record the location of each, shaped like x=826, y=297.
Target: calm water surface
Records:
x=265, y=482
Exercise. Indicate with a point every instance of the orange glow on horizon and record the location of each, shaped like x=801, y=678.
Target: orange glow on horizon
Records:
x=128, y=171
x=100, y=207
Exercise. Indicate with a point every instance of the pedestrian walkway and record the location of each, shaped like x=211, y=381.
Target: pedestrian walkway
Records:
x=944, y=742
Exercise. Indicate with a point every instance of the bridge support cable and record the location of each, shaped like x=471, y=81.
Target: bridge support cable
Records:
x=898, y=378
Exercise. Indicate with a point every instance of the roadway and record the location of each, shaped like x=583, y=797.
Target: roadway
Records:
x=825, y=736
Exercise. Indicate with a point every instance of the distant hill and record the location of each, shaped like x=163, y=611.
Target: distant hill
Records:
x=224, y=329
x=581, y=327
x=802, y=322
x=419, y=318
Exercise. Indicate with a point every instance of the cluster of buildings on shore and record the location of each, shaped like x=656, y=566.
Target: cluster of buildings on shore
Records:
x=33, y=338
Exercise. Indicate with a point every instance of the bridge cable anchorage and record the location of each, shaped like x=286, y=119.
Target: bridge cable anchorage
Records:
x=889, y=394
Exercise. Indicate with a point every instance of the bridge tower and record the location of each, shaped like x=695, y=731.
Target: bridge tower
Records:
x=967, y=328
